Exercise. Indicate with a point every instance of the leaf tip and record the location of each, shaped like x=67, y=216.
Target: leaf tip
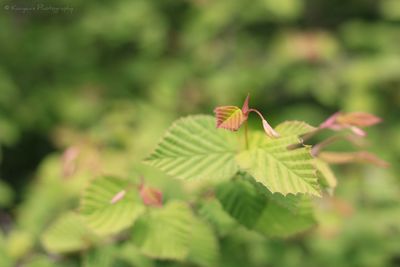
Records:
x=245, y=107
x=269, y=130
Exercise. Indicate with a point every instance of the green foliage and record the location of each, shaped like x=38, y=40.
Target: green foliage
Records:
x=173, y=232
x=6, y=194
x=67, y=234
x=325, y=174
x=193, y=148
x=99, y=211
x=108, y=78
x=281, y=170
x=242, y=201
x=164, y=233
x=267, y=213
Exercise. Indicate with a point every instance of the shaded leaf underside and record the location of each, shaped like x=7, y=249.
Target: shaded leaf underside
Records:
x=267, y=213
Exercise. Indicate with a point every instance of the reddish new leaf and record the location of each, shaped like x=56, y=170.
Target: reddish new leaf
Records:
x=245, y=107
x=349, y=157
x=359, y=119
x=229, y=117
x=151, y=196
x=352, y=121
x=69, y=161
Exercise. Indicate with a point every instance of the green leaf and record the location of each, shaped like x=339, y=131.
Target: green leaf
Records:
x=241, y=201
x=325, y=173
x=164, y=233
x=275, y=221
x=103, y=256
x=42, y=260
x=194, y=148
x=267, y=213
x=110, y=205
x=19, y=243
x=212, y=211
x=297, y=128
x=229, y=117
x=203, y=249
x=6, y=194
x=129, y=253
x=173, y=232
x=67, y=234
x=6, y=260
x=279, y=169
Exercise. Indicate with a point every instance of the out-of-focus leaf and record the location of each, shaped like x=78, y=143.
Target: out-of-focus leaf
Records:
x=164, y=233
x=131, y=254
x=151, y=196
x=348, y=157
x=101, y=209
x=67, y=234
x=270, y=214
x=204, y=249
x=6, y=194
x=173, y=232
x=6, y=260
x=327, y=177
x=212, y=211
x=240, y=199
x=19, y=244
x=103, y=256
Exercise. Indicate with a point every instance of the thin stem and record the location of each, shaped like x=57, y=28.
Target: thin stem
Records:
x=317, y=148
x=311, y=134
x=258, y=112
x=246, y=134
x=267, y=128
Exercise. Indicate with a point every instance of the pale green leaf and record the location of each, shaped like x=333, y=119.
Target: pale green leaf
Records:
x=275, y=221
x=289, y=128
x=42, y=260
x=203, y=249
x=67, y=234
x=105, y=209
x=6, y=194
x=164, y=233
x=173, y=232
x=325, y=173
x=194, y=148
x=131, y=254
x=103, y=256
x=278, y=168
x=6, y=260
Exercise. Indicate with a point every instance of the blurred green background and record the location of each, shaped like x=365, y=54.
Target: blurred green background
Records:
x=109, y=77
